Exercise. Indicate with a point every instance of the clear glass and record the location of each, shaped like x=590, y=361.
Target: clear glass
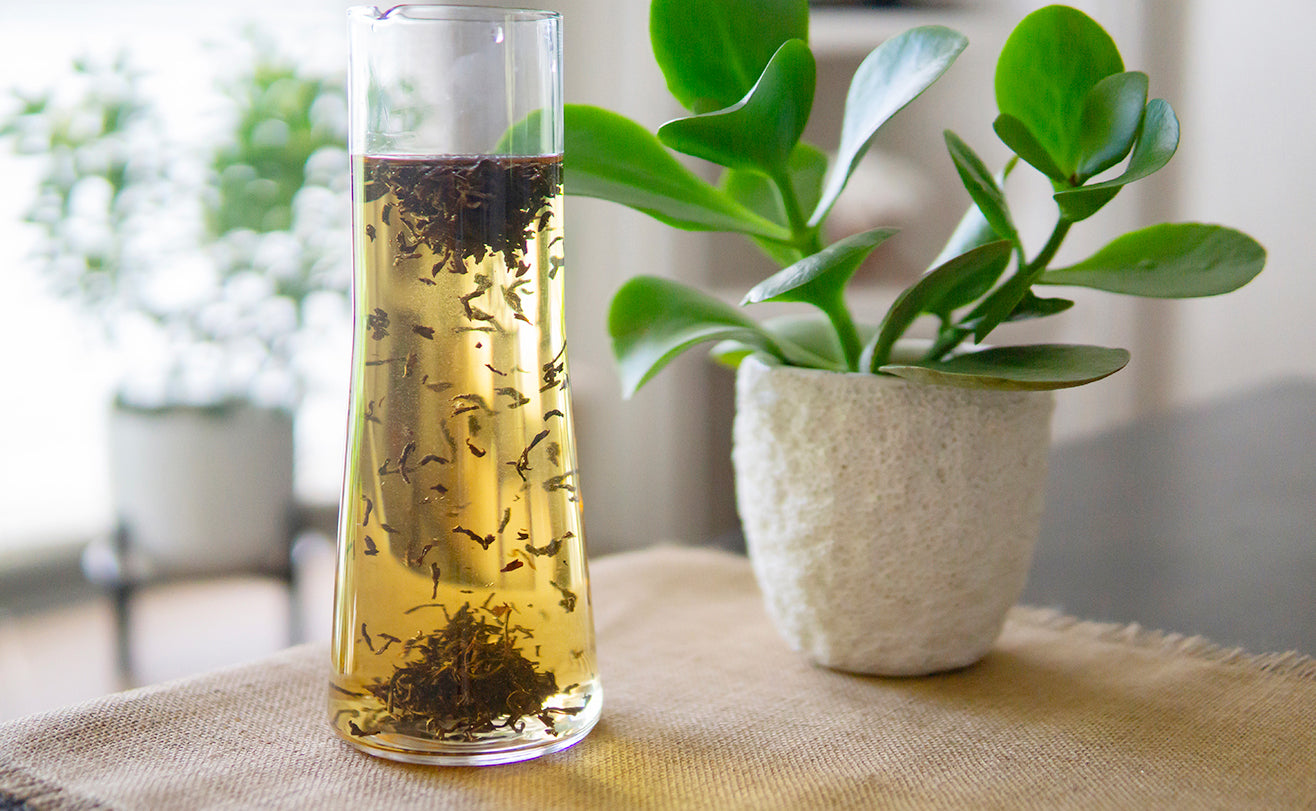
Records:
x=463, y=629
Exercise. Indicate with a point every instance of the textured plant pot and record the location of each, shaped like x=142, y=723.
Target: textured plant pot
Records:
x=204, y=489
x=891, y=525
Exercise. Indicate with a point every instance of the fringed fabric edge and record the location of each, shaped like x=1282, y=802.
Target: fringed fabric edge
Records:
x=1291, y=663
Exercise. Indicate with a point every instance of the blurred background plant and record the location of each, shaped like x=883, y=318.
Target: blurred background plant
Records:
x=209, y=267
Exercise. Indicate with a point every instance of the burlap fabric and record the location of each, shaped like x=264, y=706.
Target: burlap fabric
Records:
x=705, y=707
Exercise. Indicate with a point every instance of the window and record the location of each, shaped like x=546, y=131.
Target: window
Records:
x=55, y=488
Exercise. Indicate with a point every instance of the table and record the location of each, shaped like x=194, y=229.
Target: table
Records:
x=1202, y=519
x=706, y=708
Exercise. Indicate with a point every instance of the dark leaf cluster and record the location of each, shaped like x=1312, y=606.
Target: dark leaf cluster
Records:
x=465, y=208
x=467, y=678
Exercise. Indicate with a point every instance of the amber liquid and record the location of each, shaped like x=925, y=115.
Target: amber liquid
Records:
x=461, y=505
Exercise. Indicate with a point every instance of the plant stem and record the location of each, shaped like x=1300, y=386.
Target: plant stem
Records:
x=846, y=333
x=1048, y=252
x=805, y=239
x=948, y=338
x=951, y=337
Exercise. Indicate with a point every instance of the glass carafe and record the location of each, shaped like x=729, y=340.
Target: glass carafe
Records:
x=463, y=627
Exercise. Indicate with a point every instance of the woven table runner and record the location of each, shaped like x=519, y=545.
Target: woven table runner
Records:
x=705, y=707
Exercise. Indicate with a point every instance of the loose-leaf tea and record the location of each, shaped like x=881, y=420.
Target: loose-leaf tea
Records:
x=463, y=624
x=468, y=678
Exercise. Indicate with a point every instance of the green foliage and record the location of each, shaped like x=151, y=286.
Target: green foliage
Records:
x=889, y=78
x=262, y=167
x=1067, y=108
x=613, y=158
x=92, y=133
x=285, y=121
x=1048, y=67
x=820, y=279
x=1172, y=260
x=239, y=232
x=711, y=59
x=1036, y=367
x=653, y=320
x=760, y=131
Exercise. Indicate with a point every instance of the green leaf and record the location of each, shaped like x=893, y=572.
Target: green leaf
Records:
x=1171, y=260
x=761, y=130
x=1079, y=204
x=820, y=280
x=652, y=320
x=1034, y=306
x=753, y=190
x=611, y=157
x=1112, y=116
x=973, y=229
x=811, y=332
x=712, y=53
x=1049, y=64
x=890, y=77
x=1030, y=307
x=970, y=286
x=821, y=277
x=1029, y=368
x=758, y=194
x=1015, y=135
x=934, y=293
x=996, y=308
x=730, y=353
x=982, y=188
x=1157, y=142
x=807, y=171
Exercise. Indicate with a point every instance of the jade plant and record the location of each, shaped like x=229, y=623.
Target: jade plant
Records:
x=1068, y=108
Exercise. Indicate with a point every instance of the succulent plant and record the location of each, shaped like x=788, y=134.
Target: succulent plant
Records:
x=1069, y=109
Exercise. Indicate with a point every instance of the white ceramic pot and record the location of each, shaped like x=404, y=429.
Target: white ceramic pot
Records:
x=204, y=490
x=891, y=525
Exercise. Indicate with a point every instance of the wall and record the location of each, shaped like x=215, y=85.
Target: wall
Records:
x=1247, y=159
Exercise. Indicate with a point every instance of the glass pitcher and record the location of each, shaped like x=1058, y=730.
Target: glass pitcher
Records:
x=463, y=627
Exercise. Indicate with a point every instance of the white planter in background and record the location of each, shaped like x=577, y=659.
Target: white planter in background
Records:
x=891, y=525
x=204, y=490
